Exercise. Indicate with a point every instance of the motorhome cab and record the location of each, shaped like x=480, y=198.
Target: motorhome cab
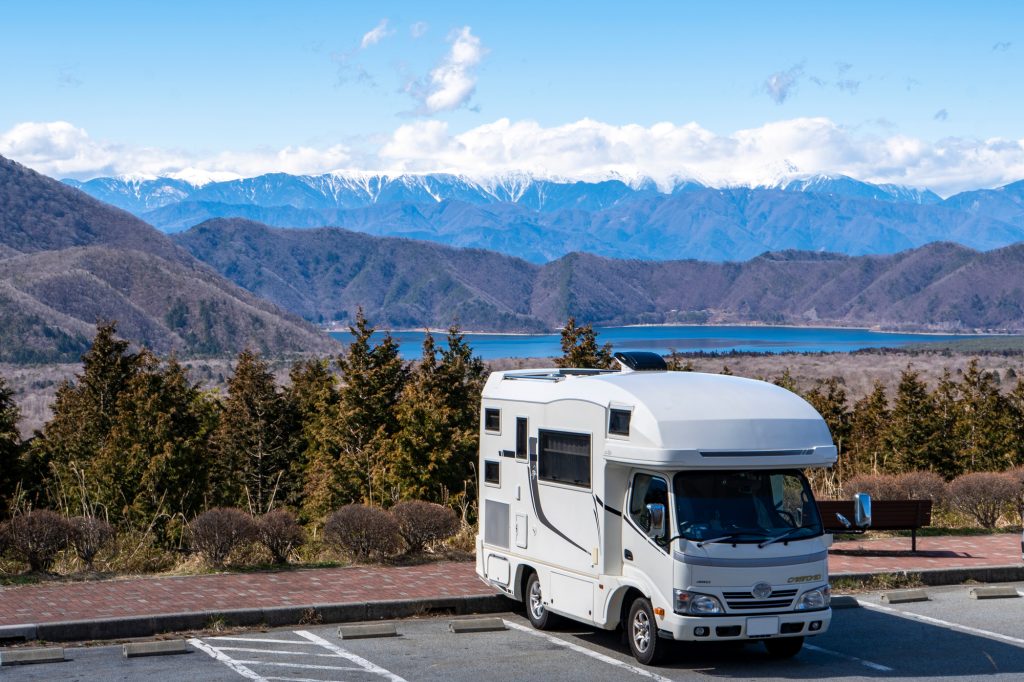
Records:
x=673, y=504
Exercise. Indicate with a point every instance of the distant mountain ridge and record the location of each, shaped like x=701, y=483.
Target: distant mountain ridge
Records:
x=68, y=261
x=324, y=273
x=544, y=219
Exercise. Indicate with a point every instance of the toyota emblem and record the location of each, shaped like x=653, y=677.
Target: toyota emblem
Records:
x=762, y=591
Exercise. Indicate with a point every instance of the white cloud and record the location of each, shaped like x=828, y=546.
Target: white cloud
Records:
x=419, y=29
x=584, y=149
x=452, y=82
x=375, y=35
x=63, y=150
x=781, y=84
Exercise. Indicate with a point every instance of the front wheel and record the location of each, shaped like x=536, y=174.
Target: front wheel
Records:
x=642, y=631
x=787, y=647
x=539, y=616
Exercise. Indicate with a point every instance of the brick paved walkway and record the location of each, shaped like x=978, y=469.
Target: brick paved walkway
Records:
x=152, y=596
x=893, y=554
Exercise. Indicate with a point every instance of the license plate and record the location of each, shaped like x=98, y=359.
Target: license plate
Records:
x=760, y=627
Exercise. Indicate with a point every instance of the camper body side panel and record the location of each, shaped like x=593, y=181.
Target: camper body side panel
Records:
x=556, y=529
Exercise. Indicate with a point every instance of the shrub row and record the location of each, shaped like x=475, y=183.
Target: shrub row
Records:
x=983, y=496
x=359, y=531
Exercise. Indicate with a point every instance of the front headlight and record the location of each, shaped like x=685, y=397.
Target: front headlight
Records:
x=695, y=604
x=818, y=598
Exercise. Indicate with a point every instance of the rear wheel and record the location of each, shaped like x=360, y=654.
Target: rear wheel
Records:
x=642, y=632
x=787, y=647
x=535, y=611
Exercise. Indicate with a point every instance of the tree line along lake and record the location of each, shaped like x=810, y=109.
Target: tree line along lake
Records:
x=681, y=338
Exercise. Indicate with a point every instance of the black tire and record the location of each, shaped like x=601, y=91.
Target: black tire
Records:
x=540, y=617
x=642, y=633
x=785, y=647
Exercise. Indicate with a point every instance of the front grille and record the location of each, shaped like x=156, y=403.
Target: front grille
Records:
x=745, y=601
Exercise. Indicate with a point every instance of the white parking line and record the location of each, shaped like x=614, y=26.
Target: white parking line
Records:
x=303, y=666
x=263, y=641
x=944, y=623
x=226, y=660
x=587, y=652
x=868, y=664
x=359, y=660
x=274, y=651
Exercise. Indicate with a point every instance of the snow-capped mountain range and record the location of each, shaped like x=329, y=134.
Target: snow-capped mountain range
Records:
x=541, y=218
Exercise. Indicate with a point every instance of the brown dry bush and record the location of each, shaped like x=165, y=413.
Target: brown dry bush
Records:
x=215, y=533
x=363, y=532
x=879, y=486
x=279, y=531
x=1017, y=474
x=983, y=495
x=422, y=524
x=920, y=485
x=37, y=537
x=88, y=535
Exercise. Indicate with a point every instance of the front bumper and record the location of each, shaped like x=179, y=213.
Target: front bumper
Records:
x=735, y=627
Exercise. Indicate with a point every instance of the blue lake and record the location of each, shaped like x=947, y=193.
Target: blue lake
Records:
x=664, y=339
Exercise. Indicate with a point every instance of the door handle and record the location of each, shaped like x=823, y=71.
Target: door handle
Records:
x=628, y=554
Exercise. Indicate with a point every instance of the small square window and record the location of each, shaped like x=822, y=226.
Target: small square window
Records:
x=492, y=419
x=492, y=472
x=618, y=422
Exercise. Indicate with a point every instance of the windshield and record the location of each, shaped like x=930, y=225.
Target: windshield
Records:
x=745, y=506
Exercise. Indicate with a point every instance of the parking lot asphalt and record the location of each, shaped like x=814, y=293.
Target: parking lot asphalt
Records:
x=951, y=636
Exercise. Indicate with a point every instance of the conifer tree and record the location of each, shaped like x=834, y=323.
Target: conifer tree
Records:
x=982, y=431
x=786, y=381
x=352, y=449
x=313, y=395
x=152, y=468
x=10, y=446
x=1015, y=420
x=828, y=397
x=255, y=439
x=580, y=349
x=438, y=417
x=83, y=412
x=869, y=426
x=913, y=423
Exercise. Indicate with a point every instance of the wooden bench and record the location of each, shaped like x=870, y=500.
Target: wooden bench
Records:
x=885, y=515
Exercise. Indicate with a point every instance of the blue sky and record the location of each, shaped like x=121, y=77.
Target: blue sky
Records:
x=924, y=93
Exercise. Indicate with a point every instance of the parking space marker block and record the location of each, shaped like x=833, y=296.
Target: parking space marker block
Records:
x=477, y=625
x=994, y=592
x=904, y=596
x=368, y=630
x=167, y=647
x=29, y=656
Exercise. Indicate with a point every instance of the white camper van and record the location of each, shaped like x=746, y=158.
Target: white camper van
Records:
x=673, y=504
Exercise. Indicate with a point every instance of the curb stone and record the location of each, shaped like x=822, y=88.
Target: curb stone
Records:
x=147, y=626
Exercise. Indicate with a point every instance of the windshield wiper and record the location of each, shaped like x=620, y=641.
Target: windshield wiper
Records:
x=781, y=536
x=730, y=536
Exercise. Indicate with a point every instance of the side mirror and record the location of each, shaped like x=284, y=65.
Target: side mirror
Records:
x=862, y=510
x=656, y=512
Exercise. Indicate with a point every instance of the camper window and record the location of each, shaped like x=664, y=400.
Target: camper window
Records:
x=647, y=490
x=492, y=419
x=564, y=458
x=492, y=472
x=522, y=434
x=618, y=422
